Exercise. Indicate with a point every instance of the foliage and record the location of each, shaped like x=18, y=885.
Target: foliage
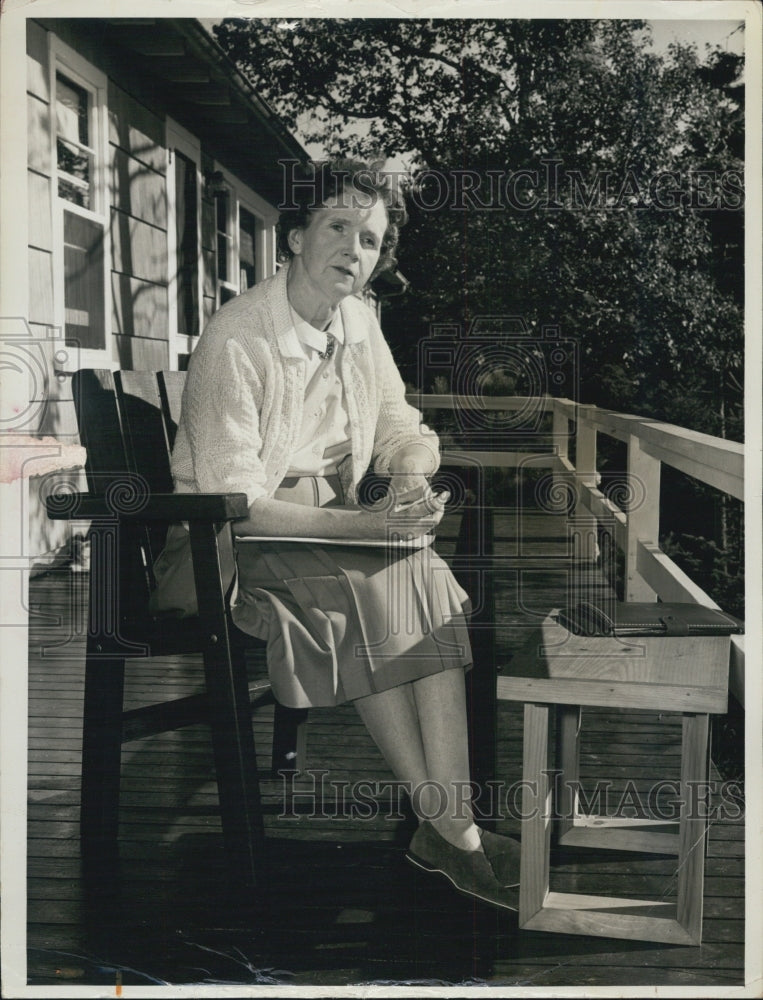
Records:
x=631, y=237
x=652, y=294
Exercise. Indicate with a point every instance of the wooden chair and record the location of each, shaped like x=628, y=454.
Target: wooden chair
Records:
x=127, y=423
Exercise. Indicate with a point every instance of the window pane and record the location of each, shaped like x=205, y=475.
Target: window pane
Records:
x=187, y=245
x=221, y=207
x=73, y=193
x=72, y=104
x=222, y=257
x=73, y=160
x=83, y=282
x=247, y=227
x=222, y=212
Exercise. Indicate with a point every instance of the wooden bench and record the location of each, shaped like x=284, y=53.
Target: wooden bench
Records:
x=686, y=675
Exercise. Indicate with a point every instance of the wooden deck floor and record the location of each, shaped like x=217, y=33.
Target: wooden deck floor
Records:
x=343, y=905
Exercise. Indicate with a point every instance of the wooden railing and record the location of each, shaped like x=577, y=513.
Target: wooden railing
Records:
x=634, y=522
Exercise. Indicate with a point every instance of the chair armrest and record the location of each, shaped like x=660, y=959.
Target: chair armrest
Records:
x=169, y=507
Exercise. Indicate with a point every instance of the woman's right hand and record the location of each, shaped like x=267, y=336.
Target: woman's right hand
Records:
x=385, y=519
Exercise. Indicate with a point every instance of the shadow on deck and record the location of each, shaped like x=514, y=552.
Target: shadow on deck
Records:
x=343, y=907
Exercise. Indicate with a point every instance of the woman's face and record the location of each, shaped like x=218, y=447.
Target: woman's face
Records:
x=337, y=251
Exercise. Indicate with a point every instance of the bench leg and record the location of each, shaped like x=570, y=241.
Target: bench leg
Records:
x=568, y=718
x=678, y=923
x=536, y=813
x=693, y=829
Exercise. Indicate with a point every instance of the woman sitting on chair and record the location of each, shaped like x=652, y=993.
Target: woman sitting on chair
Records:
x=292, y=394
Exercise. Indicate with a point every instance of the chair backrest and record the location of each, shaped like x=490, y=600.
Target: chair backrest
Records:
x=127, y=422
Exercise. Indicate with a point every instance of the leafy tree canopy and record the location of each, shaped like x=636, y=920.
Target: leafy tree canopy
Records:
x=589, y=182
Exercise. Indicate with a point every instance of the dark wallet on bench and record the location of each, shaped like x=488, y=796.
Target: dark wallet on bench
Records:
x=632, y=619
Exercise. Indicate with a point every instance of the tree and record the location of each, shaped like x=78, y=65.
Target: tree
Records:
x=636, y=272
x=605, y=188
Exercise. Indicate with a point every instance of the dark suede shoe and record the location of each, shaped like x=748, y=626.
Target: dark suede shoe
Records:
x=469, y=871
x=503, y=855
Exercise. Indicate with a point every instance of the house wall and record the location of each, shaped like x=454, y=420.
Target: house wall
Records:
x=138, y=236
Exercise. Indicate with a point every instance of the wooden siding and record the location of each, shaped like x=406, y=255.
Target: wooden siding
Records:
x=139, y=308
x=138, y=233
x=40, y=221
x=38, y=77
x=138, y=249
x=57, y=416
x=136, y=130
x=38, y=135
x=40, y=287
x=137, y=189
x=141, y=354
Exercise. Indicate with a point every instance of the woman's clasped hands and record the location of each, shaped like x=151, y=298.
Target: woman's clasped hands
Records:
x=410, y=508
x=405, y=512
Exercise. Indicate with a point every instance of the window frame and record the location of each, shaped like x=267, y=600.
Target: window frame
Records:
x=69, y=63
x=180, y=139
x=266, y=217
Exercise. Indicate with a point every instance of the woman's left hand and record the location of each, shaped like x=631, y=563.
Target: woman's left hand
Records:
x=406, y=488
x=409, y=469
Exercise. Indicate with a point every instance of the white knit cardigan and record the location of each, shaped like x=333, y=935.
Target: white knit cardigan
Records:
x=244, y=392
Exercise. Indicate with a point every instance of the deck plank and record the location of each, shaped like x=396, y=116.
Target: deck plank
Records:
x=344, y=907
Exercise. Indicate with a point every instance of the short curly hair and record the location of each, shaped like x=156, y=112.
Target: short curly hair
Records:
x=308, y=188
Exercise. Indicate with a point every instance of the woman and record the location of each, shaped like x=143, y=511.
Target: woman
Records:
x=291, y=395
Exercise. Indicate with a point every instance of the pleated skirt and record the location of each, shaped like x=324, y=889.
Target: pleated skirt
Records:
x=343, y=622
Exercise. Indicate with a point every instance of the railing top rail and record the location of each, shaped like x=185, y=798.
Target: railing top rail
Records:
x=698, y=454
x=447, y=401
x=712, y=460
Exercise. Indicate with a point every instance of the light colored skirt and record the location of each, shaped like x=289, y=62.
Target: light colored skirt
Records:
x=343, y=622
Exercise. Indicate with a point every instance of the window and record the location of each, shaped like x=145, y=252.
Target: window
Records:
x=80, y=203
x=247, y=241
x=236, y=244
x=185, y=293
x=187, y=245
x=245, y=235
x=225, y=243
x=75, y=156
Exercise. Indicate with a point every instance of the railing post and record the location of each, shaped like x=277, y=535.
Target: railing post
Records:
x=642, y=507
x=560, y=438
x=586, y=547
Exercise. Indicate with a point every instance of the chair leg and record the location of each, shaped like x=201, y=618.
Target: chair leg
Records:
x=101, y=754
x=289, y=739
x=230, y=719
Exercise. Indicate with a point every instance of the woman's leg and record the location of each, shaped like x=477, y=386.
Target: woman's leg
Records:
x=420, y=729
x=441, y=710
x=391, y=720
